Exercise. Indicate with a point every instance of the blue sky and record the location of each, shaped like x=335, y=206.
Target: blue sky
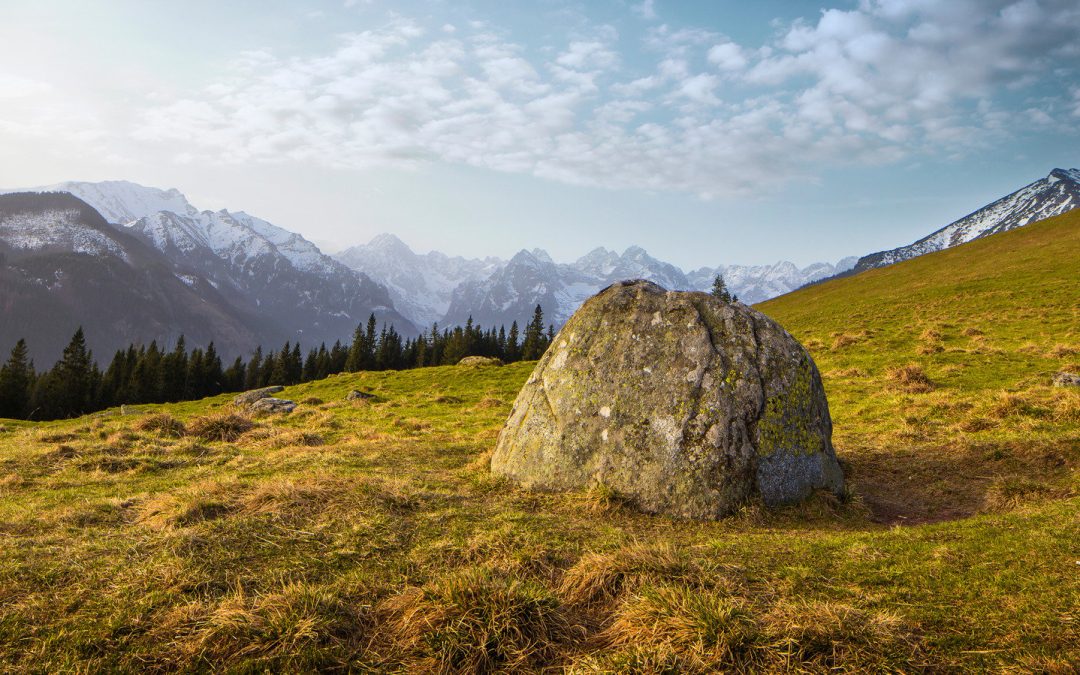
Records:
x=707, y=132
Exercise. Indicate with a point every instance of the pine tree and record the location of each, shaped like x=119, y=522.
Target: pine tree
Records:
x=233, y=378
x=338, y=355
x=311, y=366
x=253, y=374
x=145, y=385
x=16, y=382
x=533, y=347
x=77, y=373
x=174, y=373
x=323, y=363
x=279, y=371
x=513, y=348
x=295, y=365
x=720, y=290
x=196, y=372
x=371, y=344
x=213, y=377
x=355, y=360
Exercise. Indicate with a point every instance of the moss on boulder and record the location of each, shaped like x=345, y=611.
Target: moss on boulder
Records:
x=678, y=402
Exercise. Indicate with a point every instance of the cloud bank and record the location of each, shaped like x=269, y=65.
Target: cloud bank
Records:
x=680, y=109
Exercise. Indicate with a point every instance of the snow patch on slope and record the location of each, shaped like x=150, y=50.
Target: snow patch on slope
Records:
x=57, y=228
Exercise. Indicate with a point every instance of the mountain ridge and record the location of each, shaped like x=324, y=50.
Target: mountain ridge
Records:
x=496, y=291
x=259, y=267
x=1053, y=195
x=62, y=265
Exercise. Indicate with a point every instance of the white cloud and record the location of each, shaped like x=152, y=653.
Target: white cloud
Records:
x=727, y=56
x=588, y=56
x=888, y=80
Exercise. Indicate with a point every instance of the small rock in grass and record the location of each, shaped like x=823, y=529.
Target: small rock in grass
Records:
x=476, y=361
x=1066, y=380
x=249, y=397
x=273, y=405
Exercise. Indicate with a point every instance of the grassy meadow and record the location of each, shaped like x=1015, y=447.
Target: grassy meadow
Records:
x=369, y=536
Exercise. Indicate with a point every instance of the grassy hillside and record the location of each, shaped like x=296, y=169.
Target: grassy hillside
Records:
x=369, y=535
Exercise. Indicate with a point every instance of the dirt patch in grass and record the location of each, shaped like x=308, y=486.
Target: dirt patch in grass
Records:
x=930, y=484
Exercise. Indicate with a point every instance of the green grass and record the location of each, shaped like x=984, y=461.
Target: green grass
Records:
x=370, y=536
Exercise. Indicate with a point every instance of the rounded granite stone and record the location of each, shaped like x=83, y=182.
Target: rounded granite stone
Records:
x=678, y=402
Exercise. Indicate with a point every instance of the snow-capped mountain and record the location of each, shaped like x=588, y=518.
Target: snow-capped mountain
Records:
x=421, y=286
x=757, y=283
x=1047, y=197
x=261, y=269
x=511, y=294
x=437, y=288
x=531, y=278
x=63, y=266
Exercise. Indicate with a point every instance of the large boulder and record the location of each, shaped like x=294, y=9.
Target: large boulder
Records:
x=678, y=402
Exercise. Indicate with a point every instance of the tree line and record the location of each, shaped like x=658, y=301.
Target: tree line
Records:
x=76, y=385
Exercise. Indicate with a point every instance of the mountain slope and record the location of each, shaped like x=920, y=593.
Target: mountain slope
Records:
x=950, y=352
x=1058, y=193
x=261, y=269
x=62, y=265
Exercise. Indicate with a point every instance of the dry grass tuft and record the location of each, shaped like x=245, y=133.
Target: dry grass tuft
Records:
x=1061, y=351
x=604, y=498
x=225, y=427
x=490, y=402
x=163, y=424
x=702, y=629
x=844, y=340
x=976, y=424
x=1009, y=404
x=910, y=378
x=602, y=577
x=201, y=502
x=411, y=426
x=286, y=499
x=308, y=439
x=931, y=342
x=278, y=630
x=679, y=629
x=1067, y=407
x=830, y=636
x=972, y=331
x=312, y=400
x=474, y=621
